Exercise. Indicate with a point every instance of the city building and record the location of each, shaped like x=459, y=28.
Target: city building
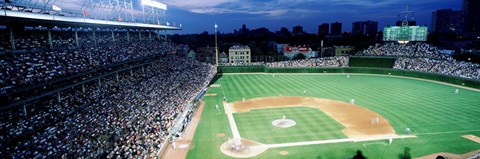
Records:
x=283, y=32
x=447, y=20
x=323, y=29
x=338, y=51
x=239, y=54
x=336, y=28
x=192, y=55
x=365, y=27
x=471, y=13
x=280, y=48
x=292, y=51
x=206, y=54
x=223, y=58
x=298, y=30
x=343, y=50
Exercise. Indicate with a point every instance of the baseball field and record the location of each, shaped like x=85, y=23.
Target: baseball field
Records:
x=332, y=116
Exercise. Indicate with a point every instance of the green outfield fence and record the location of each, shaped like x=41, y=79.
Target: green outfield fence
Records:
x=369, y=61
x=367, y=70
x=241, y=69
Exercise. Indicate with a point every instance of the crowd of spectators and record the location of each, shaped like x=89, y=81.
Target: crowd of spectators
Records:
x=36, y=38
x=476, y=156
x=336, y=61
x=424, y=57
x=440, y=66
x=242, y=64
x=417, y=57
x=405, y=50
x=23, y=69
x=125, y=118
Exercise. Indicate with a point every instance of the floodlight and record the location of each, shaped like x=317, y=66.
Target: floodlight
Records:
x=154, y=4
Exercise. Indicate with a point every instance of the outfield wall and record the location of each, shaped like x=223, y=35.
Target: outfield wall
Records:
x=367, y=70
x=371, y=61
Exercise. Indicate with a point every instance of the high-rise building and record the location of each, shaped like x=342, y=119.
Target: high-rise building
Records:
x=323, y=29
x=365, y=27
x=447, y=20
x=371, y=27
x=297, y=30
x=283, y=32
x=471, y=13
x=336, y=28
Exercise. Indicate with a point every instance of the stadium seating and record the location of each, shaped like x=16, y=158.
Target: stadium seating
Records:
x=126, y=118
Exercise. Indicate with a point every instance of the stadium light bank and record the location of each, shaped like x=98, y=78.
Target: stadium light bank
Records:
x=152, y=3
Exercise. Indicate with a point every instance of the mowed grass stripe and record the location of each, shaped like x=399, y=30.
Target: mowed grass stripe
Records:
x=261, y=84
x=273, y=84
x=240, y=88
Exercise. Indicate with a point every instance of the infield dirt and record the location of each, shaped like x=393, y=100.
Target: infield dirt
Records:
x=356, y=119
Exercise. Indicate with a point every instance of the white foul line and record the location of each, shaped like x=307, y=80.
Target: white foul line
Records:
x=231, y=120
x=338, y=141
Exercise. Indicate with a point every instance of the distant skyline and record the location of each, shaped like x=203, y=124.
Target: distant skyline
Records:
x=198, y=16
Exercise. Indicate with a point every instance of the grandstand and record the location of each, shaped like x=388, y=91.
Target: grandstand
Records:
x=78, y=85
x=103, y=82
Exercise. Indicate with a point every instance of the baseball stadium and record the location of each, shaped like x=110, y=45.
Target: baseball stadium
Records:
x=113, y=79
x=332, y=113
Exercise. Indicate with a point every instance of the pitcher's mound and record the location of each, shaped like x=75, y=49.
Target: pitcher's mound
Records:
x=284, y=123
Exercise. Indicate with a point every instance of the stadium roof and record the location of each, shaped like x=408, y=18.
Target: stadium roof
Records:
x=28, y=18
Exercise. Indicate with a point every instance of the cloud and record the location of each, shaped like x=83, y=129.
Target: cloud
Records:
x=268, y=8
x=195, y=4
x=282, y=8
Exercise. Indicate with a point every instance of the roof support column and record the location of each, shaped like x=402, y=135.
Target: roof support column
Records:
x=150, y=35
x=83, y=88
x=50, y=43
x=12, y=40
x=76, y=38
x=25, y=110
x=59, y=98
x=128, y=35
x=94, y=38
x=113, y=36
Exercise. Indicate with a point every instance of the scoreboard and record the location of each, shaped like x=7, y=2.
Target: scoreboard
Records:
x=405, y=33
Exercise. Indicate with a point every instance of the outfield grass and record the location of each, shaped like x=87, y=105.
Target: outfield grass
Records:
x=433, y=111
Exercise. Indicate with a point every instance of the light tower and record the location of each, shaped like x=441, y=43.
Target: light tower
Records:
x=406, y=13
x=216, y=46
